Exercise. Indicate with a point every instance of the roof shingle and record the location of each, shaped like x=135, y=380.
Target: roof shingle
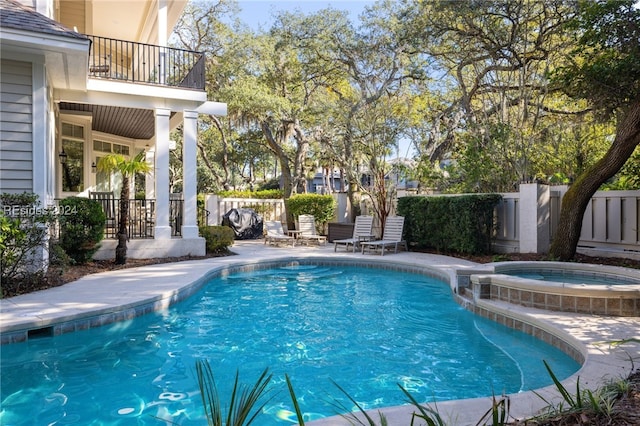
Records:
x=15, y=15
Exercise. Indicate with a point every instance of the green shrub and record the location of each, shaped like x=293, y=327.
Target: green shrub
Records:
x=24, y=226
x=270, y=184
x=321, y=207
x=58, y=258
x=218, y=238
x=81, y=227
x=262, y=195
x=463, y=224
x=261, y=209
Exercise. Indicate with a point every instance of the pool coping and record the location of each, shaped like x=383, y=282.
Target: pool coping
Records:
x=122, y=294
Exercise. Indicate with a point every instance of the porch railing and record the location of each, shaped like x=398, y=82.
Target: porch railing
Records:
x=145, y=63
x=142, y=219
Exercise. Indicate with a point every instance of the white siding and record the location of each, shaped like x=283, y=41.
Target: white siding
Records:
x=16, y=130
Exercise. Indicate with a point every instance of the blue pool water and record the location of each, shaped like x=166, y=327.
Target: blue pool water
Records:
x=367, y=329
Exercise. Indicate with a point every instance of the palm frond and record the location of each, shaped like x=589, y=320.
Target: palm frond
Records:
x=294, y=400
x=428, y=414
x=243, y=408
x=352, y=417
x=209, y=393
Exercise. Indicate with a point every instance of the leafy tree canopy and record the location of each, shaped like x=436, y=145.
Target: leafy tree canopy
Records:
x=606, y=65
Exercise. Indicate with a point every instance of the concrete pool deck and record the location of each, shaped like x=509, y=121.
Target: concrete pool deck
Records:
x=110, y=296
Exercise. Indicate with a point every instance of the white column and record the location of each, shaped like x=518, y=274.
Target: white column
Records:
x=162, y=37
x=189, y=174
x=149, y=181
x=534, y=209
x=161, y=171
x=41, y=142
x=40, y=135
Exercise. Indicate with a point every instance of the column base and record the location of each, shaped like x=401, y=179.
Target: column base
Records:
x=162, y=233
x=189, y=231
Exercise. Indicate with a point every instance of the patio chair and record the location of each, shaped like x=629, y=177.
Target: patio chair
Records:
x=275, y=234
x=393, y=227
x=307, y=228
x=361, y=232
x=108, y=202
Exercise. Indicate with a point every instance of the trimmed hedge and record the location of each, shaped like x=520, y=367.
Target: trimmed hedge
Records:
x=463, y=224
x=81, y=227
x=262, y=195
x=218, y=238
x=321, y=207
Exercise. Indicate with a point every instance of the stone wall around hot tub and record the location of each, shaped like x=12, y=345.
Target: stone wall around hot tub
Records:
x=595, y=300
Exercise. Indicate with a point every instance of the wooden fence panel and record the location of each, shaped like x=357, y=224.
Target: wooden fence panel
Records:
x=611, y=220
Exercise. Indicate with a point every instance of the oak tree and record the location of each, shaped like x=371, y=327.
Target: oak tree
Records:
x=605, y=71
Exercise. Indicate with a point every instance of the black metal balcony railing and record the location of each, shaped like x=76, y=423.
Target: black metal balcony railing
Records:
x=145, y=63
x=141, y=218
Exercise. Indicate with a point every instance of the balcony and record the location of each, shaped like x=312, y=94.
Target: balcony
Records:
x=140, y=63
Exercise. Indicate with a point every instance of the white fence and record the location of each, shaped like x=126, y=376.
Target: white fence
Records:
x=270, y=209
x=527, y=221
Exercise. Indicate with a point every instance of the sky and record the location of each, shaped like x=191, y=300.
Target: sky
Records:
x=256, y=13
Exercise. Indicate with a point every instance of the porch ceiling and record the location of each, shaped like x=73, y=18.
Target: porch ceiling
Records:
x=126, y=122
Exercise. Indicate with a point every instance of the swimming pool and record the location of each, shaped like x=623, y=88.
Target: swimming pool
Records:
x=376, y=328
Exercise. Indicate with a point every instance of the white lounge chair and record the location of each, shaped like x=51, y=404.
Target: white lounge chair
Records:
x=307, y=228
x=275, y=234
x=361, y=232
x=393, y=227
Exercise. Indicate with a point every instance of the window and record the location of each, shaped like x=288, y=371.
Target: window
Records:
x=103, y=181
x=101, y=146
x=108, y=147
x=121, y=149
x=73, y=131
x=73, y=169
x=106, y=181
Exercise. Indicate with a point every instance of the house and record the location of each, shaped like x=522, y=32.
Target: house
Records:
x=325, y=182
x=83, y=78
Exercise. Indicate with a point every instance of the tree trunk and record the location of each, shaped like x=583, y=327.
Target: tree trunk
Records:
x=285, y=169
x=225, y=150
x=121, y=248
x=300, y=158
x=575, y=201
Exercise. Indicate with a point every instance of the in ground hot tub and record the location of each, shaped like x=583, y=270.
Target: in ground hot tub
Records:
x=559, y=286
